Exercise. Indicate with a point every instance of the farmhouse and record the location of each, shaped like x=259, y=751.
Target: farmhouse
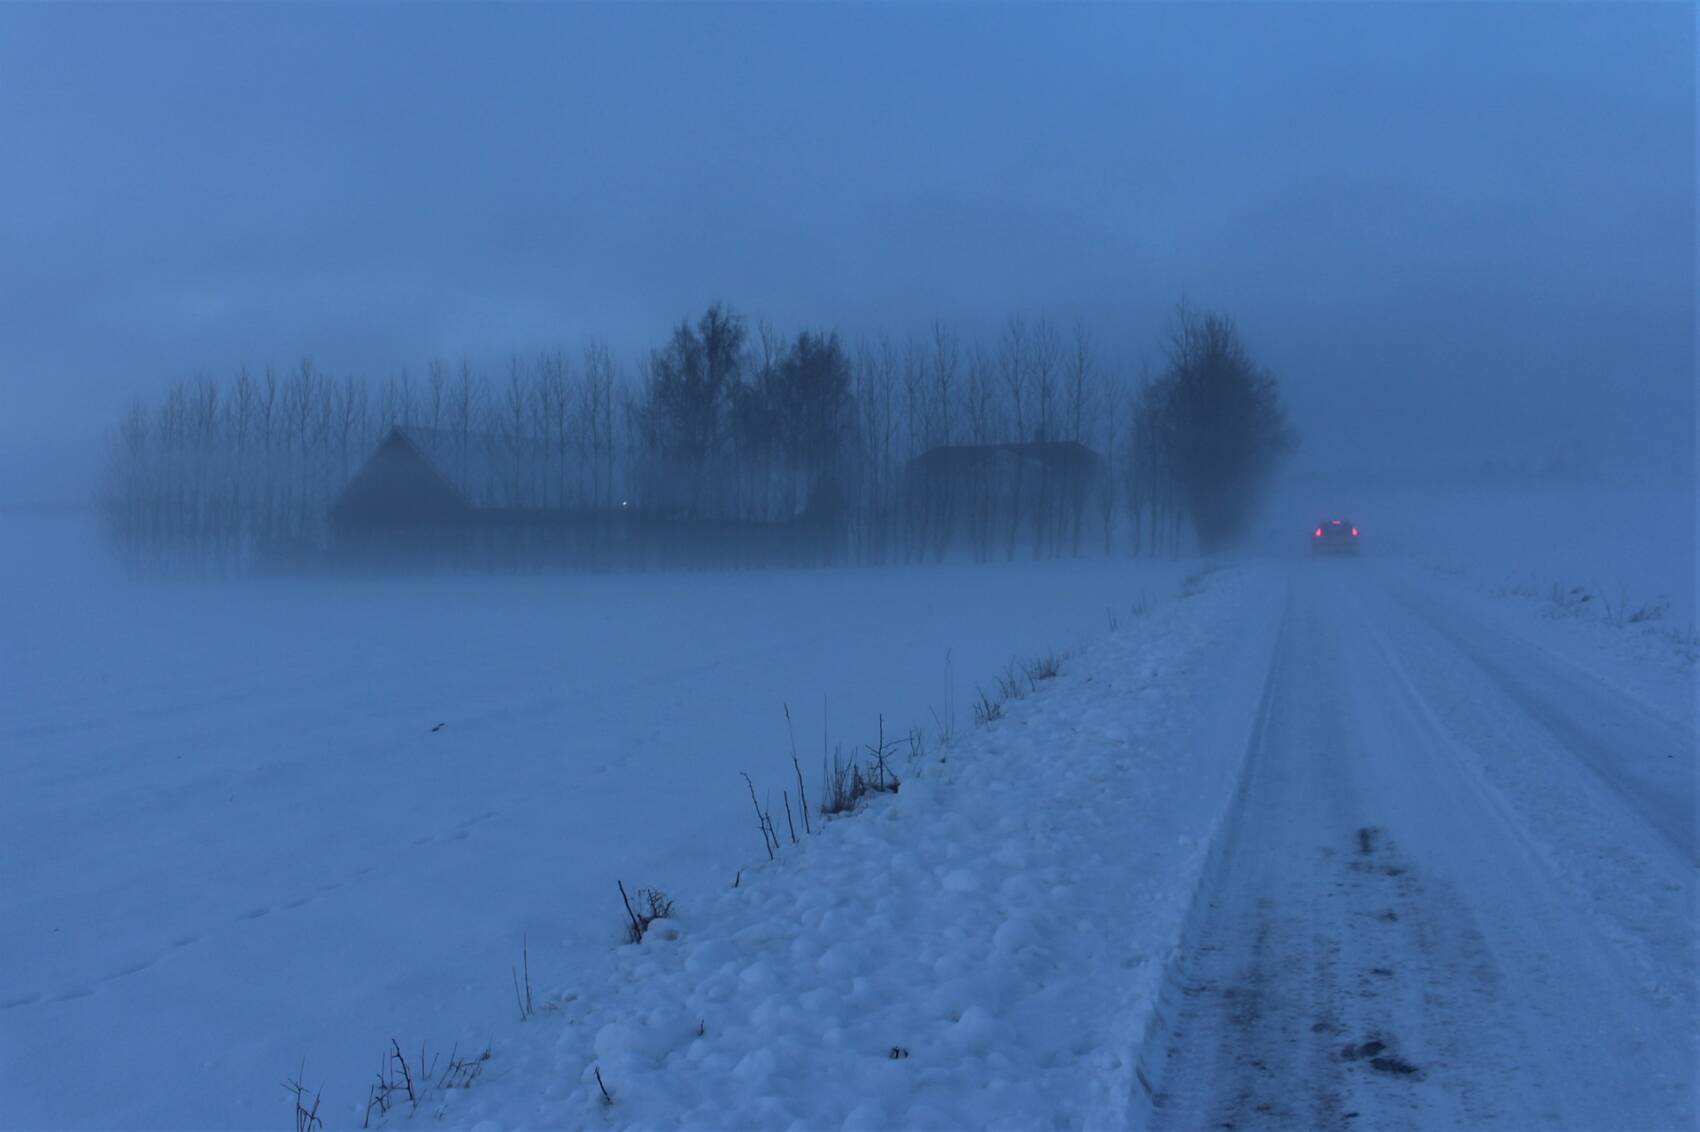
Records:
x=397, y=489
x=427, y=499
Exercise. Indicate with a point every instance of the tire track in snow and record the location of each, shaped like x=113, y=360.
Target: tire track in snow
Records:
x=1380, y=948
x=1630, y=749
x=1151, y=1061
x=1622, y=872
x=1281, y=1015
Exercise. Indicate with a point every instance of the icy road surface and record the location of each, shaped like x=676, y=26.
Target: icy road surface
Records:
x=1456, y=889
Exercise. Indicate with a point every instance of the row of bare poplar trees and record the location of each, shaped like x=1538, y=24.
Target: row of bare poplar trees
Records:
x=720, y=422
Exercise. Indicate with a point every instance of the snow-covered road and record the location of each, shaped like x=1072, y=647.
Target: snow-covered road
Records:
x=1456, y=889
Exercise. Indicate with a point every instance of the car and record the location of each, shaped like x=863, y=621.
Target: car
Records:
x=1334, y=536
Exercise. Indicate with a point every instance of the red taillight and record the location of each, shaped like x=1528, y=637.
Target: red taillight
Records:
x=1336, y=522
x=1319, y=532
x=1354, y=532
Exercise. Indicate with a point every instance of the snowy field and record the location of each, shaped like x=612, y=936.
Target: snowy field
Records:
x=233, y=838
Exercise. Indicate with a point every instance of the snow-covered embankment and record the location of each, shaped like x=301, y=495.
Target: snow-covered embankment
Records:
x=987, y=947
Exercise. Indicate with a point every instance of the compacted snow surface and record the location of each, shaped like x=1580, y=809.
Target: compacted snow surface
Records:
x=1457, y=889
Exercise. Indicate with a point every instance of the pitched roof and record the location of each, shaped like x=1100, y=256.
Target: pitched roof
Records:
x=397, y=481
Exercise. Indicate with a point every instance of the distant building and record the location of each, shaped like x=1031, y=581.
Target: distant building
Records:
x=435, y=500
x=396, y=489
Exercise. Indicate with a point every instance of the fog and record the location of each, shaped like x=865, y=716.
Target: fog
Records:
x=1455, y=234
x=1087, y=477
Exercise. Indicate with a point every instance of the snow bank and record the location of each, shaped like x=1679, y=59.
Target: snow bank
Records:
x=986, y=948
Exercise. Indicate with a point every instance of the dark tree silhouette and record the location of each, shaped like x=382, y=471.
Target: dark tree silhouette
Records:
x=692, y=381
x=810, y=403
x=1222, y=423
x=793, y=446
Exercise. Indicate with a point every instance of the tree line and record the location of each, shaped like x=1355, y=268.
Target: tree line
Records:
x=893, y=443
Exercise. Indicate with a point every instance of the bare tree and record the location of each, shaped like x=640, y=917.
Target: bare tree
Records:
x=351, y=408
x=436, y=396
x=1112, y=442
x=946, y=354
x=1014, y=365
x=601, y=376
x=981, y=506
x=516, y=417
x=1080, y=383
x=1046, y=354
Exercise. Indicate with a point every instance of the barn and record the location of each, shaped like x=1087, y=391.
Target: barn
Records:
x=398, y=512
x=421, y=502
x=397, y=488
x=428, y=500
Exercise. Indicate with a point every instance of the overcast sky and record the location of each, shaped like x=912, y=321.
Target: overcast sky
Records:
x=1449, y=229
